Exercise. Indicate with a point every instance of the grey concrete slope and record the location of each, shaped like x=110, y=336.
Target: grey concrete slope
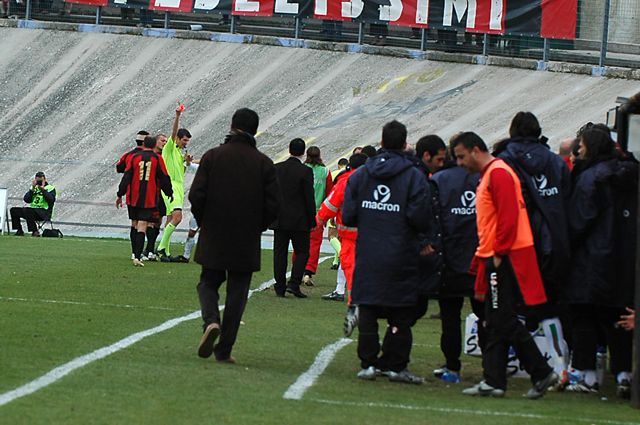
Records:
x=72, y=102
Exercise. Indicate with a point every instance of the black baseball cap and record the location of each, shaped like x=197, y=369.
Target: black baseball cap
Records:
x=40, y=174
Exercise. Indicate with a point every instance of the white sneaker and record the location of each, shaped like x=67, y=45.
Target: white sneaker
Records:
x=483, y=389
x=133, y=256
x=368, y=374
x=144, y=258
x=405, y=376
x=137, y=263
x=152, y=257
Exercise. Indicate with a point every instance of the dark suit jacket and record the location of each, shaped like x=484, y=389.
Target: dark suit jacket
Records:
x=234, y=197
x=297, y=208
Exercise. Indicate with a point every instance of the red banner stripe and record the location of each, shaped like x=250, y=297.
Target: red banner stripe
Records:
x=559, y=19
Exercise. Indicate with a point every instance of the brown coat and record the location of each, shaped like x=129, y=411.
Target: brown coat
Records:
x=234, y=197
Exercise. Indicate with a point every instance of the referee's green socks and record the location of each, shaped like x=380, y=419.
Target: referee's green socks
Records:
x=165, y=242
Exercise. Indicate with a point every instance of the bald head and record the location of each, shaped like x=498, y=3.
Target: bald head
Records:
x=565, y=147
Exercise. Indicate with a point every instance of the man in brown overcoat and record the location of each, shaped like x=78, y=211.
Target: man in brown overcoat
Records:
x=234, y=197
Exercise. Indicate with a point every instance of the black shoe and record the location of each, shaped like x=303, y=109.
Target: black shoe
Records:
x=335, y=266
x=205, y=348
x=179, y=259
x=162, y=254
x=19, y=233
x=333, y=296
x=296, y=292
x=35, y=234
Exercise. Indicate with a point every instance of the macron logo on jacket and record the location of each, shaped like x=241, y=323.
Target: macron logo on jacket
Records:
x=467, y=204
x=381, y=195
x=541, y=183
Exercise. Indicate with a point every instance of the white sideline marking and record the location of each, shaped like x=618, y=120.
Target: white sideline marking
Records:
x=307, y=379
x=61, y=371
x=83, y=303
x=473, y=412
x=65, y=369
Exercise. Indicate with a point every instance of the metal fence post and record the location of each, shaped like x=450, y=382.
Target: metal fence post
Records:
x=166, y=20
x=27, y=12
x=545, y=50
x=232, y=27
x=98, y=14
x=605, y=34
x=485, y=45
x=296, y=32
x=360, y=32
x=423, y=39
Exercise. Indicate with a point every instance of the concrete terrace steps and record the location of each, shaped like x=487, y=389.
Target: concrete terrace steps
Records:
x=75, y=95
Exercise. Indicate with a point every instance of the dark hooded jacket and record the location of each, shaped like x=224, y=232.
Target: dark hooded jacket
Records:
x=430, y=267
x=234, y=197
x=388, y=200
x=456, y=192
x=546, y=186
x=602, y=219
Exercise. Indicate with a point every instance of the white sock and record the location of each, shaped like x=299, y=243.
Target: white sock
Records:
x=188, y=247
x=590, y=377
x=555, y=343
x=341, y=282
x=622, y=376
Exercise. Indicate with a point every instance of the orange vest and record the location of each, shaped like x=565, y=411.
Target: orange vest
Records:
x=486, y=216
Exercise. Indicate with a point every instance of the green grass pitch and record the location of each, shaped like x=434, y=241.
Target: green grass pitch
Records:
x=62, y=299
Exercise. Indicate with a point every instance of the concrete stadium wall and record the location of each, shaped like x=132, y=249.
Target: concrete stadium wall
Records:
x=72, y=103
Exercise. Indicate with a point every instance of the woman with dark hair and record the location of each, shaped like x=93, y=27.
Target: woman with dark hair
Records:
x=602, y=222
x=322, y=185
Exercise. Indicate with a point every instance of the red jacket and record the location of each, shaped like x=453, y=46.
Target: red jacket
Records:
x=332, y=207
x=510, y=235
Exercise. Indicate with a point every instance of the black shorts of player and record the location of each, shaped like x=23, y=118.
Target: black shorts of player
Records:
x=143, y=214
x=161, y=211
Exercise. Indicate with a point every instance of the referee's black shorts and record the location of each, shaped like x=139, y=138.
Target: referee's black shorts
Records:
x=143, y=214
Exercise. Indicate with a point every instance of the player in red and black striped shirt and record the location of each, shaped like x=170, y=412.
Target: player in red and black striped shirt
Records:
x=145, y=176
x=121, y=165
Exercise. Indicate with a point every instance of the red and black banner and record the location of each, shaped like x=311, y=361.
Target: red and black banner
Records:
x=544, y=18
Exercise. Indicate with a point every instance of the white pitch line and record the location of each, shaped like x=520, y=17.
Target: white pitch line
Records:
x=307, y=379
x=63, y=370
x=84, y=303
x=446, y=410
x=79, y=362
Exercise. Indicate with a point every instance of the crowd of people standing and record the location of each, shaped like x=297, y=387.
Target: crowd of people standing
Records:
x=534, y=240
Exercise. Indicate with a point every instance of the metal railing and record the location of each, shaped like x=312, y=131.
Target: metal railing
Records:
x=607, y=30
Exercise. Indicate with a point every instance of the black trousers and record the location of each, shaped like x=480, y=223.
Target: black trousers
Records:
x=503, y=329
x=451, y=336
x=235, y=302
x=396, y=346
x=31, y=215
x=587, y=320
x=300, y=241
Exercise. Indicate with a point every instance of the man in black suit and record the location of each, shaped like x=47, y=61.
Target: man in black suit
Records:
x=295, y=220
x=233, y=168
